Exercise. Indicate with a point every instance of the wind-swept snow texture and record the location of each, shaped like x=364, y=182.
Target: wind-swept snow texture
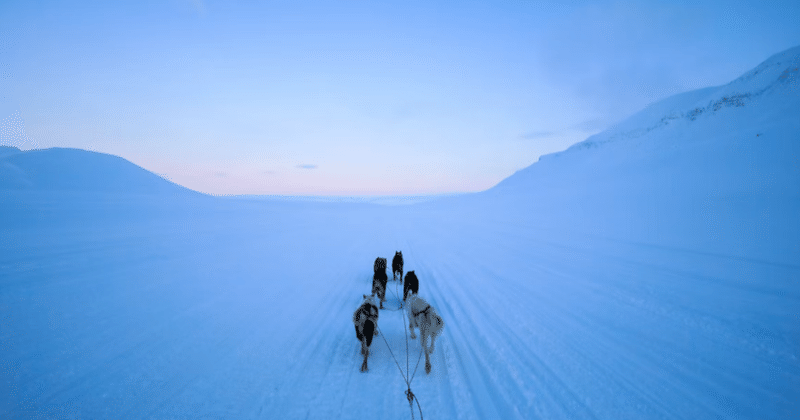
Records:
x=649, y=272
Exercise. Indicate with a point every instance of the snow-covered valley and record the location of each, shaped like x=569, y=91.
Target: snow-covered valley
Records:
x=652, y=271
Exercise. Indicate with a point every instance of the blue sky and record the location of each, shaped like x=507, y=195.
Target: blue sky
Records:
x=357, y=97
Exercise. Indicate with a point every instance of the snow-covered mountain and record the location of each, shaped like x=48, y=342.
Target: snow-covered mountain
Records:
x=649, y=272
x=762, y=101
x=63, y=169
x=708, y=169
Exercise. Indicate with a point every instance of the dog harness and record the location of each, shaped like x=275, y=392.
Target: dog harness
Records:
x=369, y=310
x=424, y=311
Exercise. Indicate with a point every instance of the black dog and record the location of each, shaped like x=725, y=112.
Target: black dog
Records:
x=379, y=279
x=365, y=319
x=411, y=285
x=380, y=264
x=397, y=265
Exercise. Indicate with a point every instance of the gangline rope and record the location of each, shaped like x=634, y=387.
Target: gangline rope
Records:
x=409, y=395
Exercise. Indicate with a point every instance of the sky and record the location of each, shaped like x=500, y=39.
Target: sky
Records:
x=357, y=97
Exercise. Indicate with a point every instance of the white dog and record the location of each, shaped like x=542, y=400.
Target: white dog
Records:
x=422, y=315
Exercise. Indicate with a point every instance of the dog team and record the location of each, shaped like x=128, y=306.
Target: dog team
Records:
x=421, y=314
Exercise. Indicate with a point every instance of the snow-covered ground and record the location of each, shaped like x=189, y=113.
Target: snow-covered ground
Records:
x=652, y=271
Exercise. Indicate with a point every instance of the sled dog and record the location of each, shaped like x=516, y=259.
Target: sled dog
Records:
x=379, y=279
x=422, y=315
x=397, y=265
x=365, y=319
x=380, y=264
x=411, y=285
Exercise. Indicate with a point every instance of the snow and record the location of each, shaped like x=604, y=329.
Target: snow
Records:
x=62, y=169
x=648, y=272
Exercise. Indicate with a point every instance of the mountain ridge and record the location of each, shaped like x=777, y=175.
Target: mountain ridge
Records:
x=773, y=84
x=81, y=170
x=69, y=169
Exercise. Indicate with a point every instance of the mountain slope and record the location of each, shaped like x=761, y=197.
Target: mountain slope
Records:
x=60, y=169
x=765, y=98
x=714, y=169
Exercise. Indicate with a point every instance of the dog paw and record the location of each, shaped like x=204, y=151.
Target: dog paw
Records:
x=427, y=367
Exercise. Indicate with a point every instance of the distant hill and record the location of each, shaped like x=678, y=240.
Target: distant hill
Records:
x=712, y=169
x=8, y=150
x=62, y=169
x=744, y=134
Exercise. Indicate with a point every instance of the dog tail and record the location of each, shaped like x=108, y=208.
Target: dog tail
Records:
x=437, y=324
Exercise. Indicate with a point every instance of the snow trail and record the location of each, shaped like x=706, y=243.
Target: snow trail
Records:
x=245, y=312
